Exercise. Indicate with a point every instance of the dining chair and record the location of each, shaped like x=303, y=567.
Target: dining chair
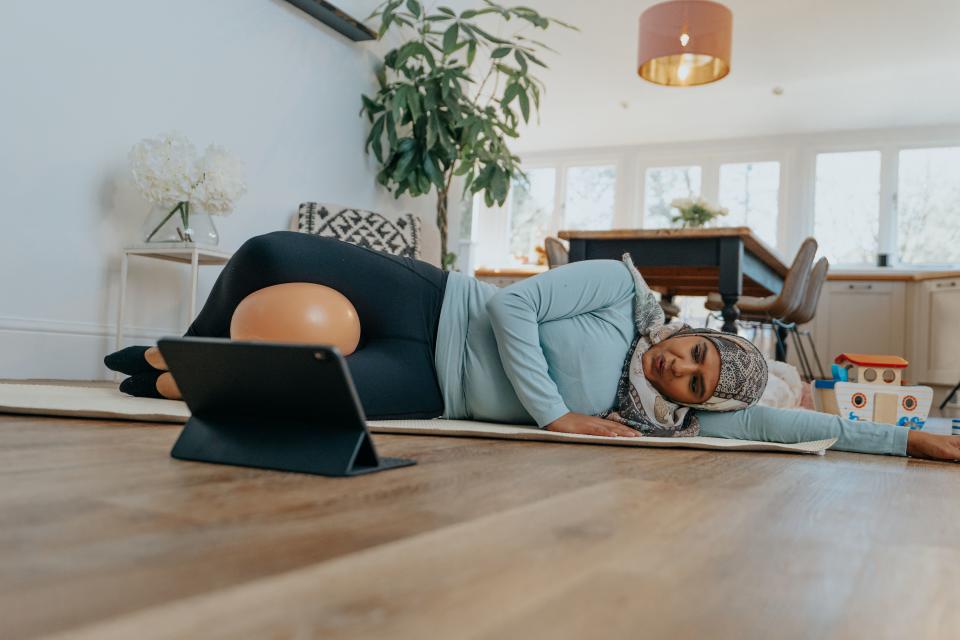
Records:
x=557, y=254
x=803, y=315
x=778, y=306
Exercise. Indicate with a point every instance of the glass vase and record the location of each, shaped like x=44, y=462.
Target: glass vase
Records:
x=182, y=222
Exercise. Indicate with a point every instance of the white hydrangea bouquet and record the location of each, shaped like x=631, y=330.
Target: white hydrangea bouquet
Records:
x=695, y=212
x=169, y=174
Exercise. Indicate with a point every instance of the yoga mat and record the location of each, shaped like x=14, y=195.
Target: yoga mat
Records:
x=109, y=402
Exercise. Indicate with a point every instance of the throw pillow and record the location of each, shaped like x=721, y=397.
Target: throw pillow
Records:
x=369, y=229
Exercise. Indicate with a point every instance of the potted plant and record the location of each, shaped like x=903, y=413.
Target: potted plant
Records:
x=446, y=111
x=185, y=190
x=695, y=213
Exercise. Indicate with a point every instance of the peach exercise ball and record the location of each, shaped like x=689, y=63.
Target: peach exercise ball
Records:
x=298, y=312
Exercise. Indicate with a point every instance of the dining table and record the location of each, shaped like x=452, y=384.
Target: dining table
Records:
x=731, y=261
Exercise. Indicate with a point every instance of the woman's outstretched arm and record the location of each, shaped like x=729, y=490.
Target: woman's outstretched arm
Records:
x=769, y=424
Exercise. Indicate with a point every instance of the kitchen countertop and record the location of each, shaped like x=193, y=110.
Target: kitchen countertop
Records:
x=890, y=274
x=895, y=274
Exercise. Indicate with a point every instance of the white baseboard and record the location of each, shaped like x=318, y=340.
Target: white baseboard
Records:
x=42, y=348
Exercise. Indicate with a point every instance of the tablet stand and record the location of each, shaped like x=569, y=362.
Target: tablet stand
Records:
x=283, y=445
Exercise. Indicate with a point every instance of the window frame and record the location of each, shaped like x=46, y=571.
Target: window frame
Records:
x=894, y=250
x=796, y=153
x=498, y=219
x=889, y=148
x=710, y=163
x=883, y=213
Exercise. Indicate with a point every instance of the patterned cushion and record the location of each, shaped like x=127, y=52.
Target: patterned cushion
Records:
x=363, y=228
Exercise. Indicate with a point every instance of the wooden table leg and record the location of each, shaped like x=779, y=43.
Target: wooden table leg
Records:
x=668, y=299
x=781, y=351
x=731, y=280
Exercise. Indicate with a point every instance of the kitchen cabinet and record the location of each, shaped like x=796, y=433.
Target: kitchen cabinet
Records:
x=935, y=331
x=860, y=317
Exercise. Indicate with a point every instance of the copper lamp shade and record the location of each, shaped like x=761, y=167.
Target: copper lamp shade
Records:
x=685, y=42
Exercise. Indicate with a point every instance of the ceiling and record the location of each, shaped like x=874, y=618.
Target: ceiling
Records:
x=842, y=64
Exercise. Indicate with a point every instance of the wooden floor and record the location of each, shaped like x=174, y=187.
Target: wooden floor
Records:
x=103, y=535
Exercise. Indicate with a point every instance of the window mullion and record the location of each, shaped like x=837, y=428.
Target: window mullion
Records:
x=710, y=181
x=889, y=165
x=559, y=198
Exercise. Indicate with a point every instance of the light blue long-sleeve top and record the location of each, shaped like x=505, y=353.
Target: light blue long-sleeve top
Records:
x=556, y=342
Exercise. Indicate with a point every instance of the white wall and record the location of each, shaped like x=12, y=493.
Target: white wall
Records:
x=81, y=82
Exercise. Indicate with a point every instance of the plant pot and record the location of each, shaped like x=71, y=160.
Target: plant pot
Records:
x=182, y=222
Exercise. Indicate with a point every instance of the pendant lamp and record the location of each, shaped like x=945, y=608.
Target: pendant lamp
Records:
x=685, y=42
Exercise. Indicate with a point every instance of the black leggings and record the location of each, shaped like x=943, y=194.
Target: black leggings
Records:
x=398, y=301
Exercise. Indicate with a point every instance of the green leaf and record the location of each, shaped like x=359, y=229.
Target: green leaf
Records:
x=489, y=36
x=403, y=165
x=391, y=131
x=447, y=10
x=535, y=60
x=403, y=54
x=413, y=103
x=387, y=19
x=432, y=125
x=471, y=52
x=500, y=185
x=376, y=131
x=432, y=171
x=446, y=142
x=524, y=106
x=449, y=261
x=511, y=92
x=521, y=60
x=414, y=7
x=450, y=38
x=396, y=107
x=483, y=179
x=463, y=168
x=423, y=183
x=370, y=107
x=500, y=52
x=419, y=49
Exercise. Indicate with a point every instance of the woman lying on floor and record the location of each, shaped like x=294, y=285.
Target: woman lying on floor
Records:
x=579, y=349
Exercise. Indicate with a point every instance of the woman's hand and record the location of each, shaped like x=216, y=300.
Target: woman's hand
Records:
x=590, y=425
x=933, y=447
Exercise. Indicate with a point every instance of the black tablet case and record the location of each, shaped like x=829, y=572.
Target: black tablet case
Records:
x=289, y=407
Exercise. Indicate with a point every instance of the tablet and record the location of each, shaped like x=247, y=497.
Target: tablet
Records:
x=289, y=407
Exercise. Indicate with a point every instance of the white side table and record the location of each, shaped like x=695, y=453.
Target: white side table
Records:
x=196, y=255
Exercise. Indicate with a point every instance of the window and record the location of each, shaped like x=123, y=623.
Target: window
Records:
x=531, y=212
x=847, y=206
x=589, y=197
x=928, y=205
x=750, y=191
x=661, y=186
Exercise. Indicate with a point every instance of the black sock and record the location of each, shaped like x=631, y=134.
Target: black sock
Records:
x=130, y=361
x=142, y=385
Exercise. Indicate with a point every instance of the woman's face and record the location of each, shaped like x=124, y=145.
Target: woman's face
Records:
x=684, y=369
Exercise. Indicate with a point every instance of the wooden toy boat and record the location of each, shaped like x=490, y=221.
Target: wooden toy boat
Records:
x=869, y=387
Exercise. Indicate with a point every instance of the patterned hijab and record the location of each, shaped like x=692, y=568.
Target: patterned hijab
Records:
x=743, y=372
